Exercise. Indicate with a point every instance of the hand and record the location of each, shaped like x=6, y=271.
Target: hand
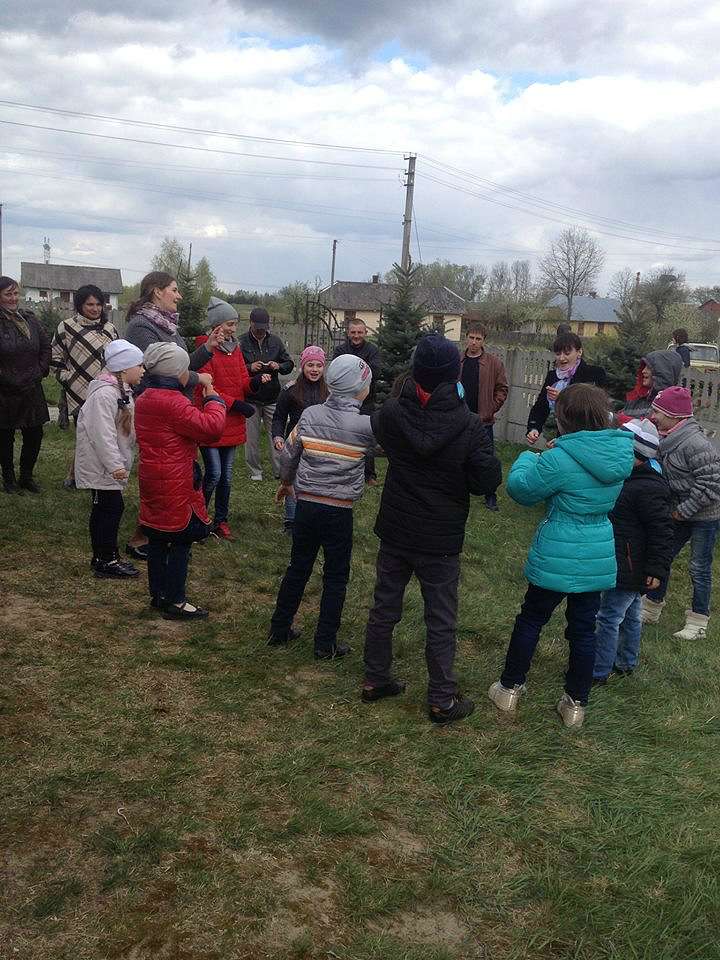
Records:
x=279, y=443
x=265, y=378
x=205, y=379
x=216, y=336
x=257, y=366
x=550, y=443
x=532, y=436
x=652, y=583
x=676, y=515
x=284, y=490
x=209, y=390
x=273, y=365
x=552, y=393
x=120, y=474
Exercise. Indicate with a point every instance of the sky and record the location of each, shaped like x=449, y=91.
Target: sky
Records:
x=293, y=121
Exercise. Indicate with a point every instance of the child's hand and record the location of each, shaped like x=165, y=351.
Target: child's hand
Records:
x=279, y=443
x=120, y=474
x=532, y=436
x=205, y=379
x=215, y=337
x=550, y=443
x=652, y=583
x=284, y=490
x=676, y=515
x=208, y=389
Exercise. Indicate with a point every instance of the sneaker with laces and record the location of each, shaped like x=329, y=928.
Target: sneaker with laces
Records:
x=460, y=708
x=571, y=711
x=222, y=531
x=114, y=570
x=504, y=698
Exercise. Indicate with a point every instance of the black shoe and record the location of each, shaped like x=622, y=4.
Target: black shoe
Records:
x=137, y=553
x=157, y=603
x=491, y=504
x=623, y=673
x=10, y=485
x=175, y=611
x=282, y=639
x=339, y=650
x=599, y=682
x=460, y=708
x=115, y=570
x=288, y=527
x=391, y=689
x=27, y=483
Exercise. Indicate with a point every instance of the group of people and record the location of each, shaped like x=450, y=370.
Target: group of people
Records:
x=624, y=493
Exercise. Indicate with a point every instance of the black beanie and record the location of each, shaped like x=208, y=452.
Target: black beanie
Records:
x=436, y=361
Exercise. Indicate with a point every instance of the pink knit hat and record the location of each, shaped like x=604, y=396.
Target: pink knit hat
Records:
x=674, y=402
x=312, y=353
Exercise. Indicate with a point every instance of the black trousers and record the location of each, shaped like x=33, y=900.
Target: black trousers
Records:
x=105, y=515
x=168, y=559
x=32, y=438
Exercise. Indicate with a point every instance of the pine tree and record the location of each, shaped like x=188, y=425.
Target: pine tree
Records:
x=400, y=329
x=191, y=310
x=622, y=358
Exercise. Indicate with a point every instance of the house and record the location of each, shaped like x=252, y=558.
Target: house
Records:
x=44, y=282
x=710, y=308
x=354, y=300
x=591, y=315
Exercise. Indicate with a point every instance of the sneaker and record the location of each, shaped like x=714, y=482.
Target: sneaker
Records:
x=504, y=698
x=282, y=640
x=393, y=688
x=571, y=711
x=27, y=483
x=137, y=553
x=222, y=531
x=184, y=611
x=491, y=504
x=339, y=650
x=256, y=477
x=115, y=570
x=460, y=708
x=10, y=485
x=69, y=484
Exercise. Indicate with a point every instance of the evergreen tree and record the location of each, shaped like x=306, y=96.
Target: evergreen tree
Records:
x=621, y=358
x=191, y=310
x=400, y=329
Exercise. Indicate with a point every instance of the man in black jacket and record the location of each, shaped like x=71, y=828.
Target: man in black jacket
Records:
x=357, y=344
x=438, y=453
x=263, y=353
x=643, y=528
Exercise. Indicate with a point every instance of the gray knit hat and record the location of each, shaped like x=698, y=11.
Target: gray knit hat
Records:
x=646, y=438
x=166, y=360
x=219, y=311
x=347, y=375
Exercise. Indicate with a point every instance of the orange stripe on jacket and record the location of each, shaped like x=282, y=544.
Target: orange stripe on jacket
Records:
x=330, y=448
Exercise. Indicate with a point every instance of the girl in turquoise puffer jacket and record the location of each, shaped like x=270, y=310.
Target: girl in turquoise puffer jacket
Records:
x=573, y=552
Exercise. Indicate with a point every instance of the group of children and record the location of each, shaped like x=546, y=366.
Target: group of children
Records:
x=621, y=502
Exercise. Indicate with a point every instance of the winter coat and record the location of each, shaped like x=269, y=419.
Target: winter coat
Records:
x=438, y=454
x=643, y=528
x=168, y=429
x=666, y=367
x=289, y=406
x=78, y=355
x=101, y=447
x=269, y=349
x=540, y=411
x=142, y=332
x=232, y=382
x=691, y=465
x=371, y=355
x=581, y=478
x=324, y=456
x=684, y=350
x=492, y=386
x=24, y=362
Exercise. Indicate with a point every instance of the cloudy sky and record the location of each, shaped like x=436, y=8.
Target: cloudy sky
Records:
x=292, y=120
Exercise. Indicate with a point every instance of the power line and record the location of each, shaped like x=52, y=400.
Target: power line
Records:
x=417, y=238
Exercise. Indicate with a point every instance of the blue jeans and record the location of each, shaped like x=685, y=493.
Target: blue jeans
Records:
x=702, y=535
x=290, y=508
x=218, y=478
x=536, y=610
x=617, y=634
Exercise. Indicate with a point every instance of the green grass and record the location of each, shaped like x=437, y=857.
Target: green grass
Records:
x=173, y=791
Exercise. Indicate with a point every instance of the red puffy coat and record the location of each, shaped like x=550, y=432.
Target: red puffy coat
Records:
x=168, y=429
x=231, y=380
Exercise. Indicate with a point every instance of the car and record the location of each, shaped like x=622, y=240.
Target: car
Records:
x=704, y=356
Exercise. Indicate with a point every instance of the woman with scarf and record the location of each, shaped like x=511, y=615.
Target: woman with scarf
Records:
x=24, y=362
x=569, y=368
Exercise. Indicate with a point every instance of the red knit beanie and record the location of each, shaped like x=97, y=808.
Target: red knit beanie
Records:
x=674, y=402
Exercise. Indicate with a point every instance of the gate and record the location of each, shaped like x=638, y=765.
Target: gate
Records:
x=322, y=327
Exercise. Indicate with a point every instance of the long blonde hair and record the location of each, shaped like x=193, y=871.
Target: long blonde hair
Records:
x=124, y=418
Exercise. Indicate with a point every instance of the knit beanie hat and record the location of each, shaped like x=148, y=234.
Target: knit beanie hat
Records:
x=166, y=360
x=436, y=361
x=646, y=438
x=674, y=402
x=219, y=311
x=121, y=355
x=259, y=317
x=312, y=353
x=347, y=375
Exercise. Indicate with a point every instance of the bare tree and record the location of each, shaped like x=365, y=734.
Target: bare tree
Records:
x=521, y=280
x=622, y=287
x=661, y=287
x=500, y=281
x=571, y=265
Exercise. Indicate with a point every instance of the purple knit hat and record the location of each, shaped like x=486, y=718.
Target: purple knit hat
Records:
x=312, y=353
x=674, y=402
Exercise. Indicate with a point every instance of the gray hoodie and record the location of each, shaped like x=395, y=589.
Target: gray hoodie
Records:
x=101, y=447
x=691, y=465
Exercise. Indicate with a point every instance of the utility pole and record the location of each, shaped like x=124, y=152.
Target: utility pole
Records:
x=636, y=296
x=1, y=239
x=407, y=219
x=189, y=258
x=332, y=268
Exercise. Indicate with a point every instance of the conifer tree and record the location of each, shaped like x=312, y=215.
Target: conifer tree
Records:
x=191, y=311
x=400, y=329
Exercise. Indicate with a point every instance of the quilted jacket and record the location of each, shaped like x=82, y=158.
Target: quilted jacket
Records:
x=580, y=478
x=231, y=381
x=101, y=447
x=691, y=465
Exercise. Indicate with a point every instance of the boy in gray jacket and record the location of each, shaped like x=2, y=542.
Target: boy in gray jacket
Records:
x=691, y=465
x=323, y=463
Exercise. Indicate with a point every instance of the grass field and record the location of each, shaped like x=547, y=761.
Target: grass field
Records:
x=175, y=792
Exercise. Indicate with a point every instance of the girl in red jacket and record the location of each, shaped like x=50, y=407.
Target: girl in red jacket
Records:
x=172, y=506
x=232, y=382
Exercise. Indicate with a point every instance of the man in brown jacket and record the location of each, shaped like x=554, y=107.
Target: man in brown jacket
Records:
x=485, y=383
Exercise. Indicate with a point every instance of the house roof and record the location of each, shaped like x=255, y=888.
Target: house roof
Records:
x=56, y=276
x=593, y=309
x=356, y=295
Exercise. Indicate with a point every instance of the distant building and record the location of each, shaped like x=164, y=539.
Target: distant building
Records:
x=44, y=282
x=591, y=315
x=711, y=308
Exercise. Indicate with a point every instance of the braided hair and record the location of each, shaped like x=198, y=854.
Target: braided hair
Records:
x=125, y=414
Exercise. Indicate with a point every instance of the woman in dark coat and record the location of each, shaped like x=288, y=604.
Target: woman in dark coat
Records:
x=24, y=361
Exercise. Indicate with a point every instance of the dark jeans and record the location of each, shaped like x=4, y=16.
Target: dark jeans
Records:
x=218, y=478
x=438, y=577
x=536, y=610
x=107, y=510
x=168, y=558
x=491, y=498
x=702, y=535
x=32, y=438
x=317, y=525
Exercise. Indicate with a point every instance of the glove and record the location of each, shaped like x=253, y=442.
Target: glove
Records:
x=246, y=409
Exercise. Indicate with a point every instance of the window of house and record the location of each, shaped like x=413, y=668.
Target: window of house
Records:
x=65, y=296
x=601, y=327
x=438, y=318
x=43, y=294
x=581, y=329
x=350, y=314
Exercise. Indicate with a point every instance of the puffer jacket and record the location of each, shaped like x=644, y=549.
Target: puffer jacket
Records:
x=438, y=454
x=168, y=429
x=691, y=465
x=324, y=456
x=666, y=367
x=581, y=478
x=101, y=447
x=643, y=528
x=232, y=382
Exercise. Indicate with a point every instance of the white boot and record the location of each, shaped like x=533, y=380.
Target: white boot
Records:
x=651, y=610
x=505, y=699
x=572, y=712
x=695, y=628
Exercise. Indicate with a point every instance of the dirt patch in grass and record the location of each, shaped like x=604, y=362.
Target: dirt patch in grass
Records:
x=438, y=928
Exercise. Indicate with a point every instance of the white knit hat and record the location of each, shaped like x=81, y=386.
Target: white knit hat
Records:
x=166, y=359
x=121, y=355
x=646, y=438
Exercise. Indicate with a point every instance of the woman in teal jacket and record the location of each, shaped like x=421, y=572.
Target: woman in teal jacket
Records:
x=573, y=552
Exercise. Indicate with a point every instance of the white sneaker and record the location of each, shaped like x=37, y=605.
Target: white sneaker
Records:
x=695, y=628
x=572, y=712
x=651, y=610
x=256, y=476
x=504, y=698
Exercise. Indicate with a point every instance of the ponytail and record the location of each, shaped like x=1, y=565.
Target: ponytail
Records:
x=125, y=414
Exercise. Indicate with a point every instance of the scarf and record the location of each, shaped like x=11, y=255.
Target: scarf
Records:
x=228, y=345
x=563, y=380
x=14, y=316
x=161, y=318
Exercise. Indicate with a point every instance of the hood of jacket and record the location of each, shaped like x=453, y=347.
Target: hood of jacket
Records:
x=97, y=385
x=679, y=435
x=666, y=366
x=605, y=454
x=430, y=428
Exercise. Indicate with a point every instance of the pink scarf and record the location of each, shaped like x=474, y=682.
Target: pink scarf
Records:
x=161, y=318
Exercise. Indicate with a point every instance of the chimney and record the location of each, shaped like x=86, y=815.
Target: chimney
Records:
x=376, y=278
x=592, y=293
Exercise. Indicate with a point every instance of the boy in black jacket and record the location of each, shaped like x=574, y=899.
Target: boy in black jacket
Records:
x=438, y=453
x=643, y=529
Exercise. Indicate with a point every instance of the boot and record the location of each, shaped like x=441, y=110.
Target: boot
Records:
x=26, y=482
x=571, y=711
x=651, y=610
x=504, y=698
x=695, y=628
x=10, y=484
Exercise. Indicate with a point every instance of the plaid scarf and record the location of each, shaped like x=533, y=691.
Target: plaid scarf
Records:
x=161, y=318
x=78, y=355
